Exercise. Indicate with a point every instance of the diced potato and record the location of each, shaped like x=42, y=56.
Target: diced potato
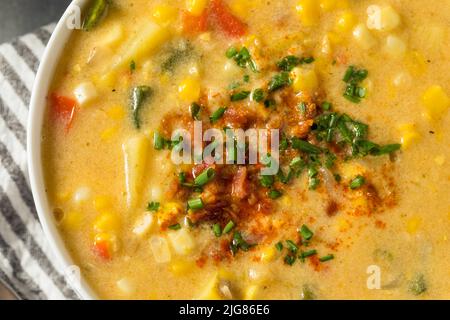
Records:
x=164, y=14
x=113, y=37
x=395, y=47
x=305, y=80
x=85, y=93
x=364, y=37
x=196, y=7
x=149, y=37
x=259, y=274
x=409, y=134
x=413, y=224
x=126, y=286
x=308, y=11
x=189, y=89
x=346, y=21
x=135, y=152
x=436, y=102
x=107, y=222
x=382, y=18
x=81, y=195
x=160, y=249
x=401, y=79
x=181, y=240
x=144, y=225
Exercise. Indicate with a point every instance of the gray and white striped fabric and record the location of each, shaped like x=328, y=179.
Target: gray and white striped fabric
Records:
x=26, y=261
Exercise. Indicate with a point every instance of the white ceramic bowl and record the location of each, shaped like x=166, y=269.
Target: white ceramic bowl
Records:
x=38, y=105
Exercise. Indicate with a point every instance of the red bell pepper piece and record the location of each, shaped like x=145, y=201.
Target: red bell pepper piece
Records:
x=225, y=20
x=63, y=108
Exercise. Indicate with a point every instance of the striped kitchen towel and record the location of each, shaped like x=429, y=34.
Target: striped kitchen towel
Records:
x=26, y=261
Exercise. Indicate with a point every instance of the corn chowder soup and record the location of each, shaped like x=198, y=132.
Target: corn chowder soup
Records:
x=359, y=204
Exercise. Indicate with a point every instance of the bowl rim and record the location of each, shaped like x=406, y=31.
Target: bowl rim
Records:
x=38, y=105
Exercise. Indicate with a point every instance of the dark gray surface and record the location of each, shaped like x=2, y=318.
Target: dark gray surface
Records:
x=18, y=17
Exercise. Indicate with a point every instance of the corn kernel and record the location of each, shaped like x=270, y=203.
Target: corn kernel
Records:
x=329, y=5
x=343, y=224
x=106, y=244
x=349, y=170
x=346, y=21
x=409, y=134
x=251, y=292
x=211, y=290
x=116, y=113
x=181, y=267
x=439, y=160
x=105, y=81
x=72, y=220
x=395, y=47
x=308, y=11
x=416, y=63
x=109, y=133
x=101, y=203
x=196, y=7
x=436, y=102
x=107, y=222
x=240, y=8
x=412, y=225
x=305, y=80
x=364, y=37
x=164, y=14
x=268, y=254
x=168, y=212
x=334, y=38
x=189, y=89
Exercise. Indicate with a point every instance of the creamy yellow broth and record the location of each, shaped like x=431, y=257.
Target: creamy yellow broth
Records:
x=397, y=223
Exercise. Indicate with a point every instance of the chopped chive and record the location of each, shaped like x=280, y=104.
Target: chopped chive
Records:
x=195, y=110
x=153, y=206
x=217, y=230
x=290, y=260
x=175, y=227
x=279, y=246
x=313, y=183
x=306, y=233
x=306, y=254
x=274, y=194
x=205, y=177
x=305, y=146
x=358, y=182
x=158, y=141
x=239, y=96
x=257, y=95
x=195, y=204
x=230, y=225
x=217, y=114
x=291, y=246
x=246, y=78
x=302, y=107
x=266, y=181
x=132, y=66
x=326, y=258
x=231, y=52
x=326, y=106
x=182, y=177
x=279, y=81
